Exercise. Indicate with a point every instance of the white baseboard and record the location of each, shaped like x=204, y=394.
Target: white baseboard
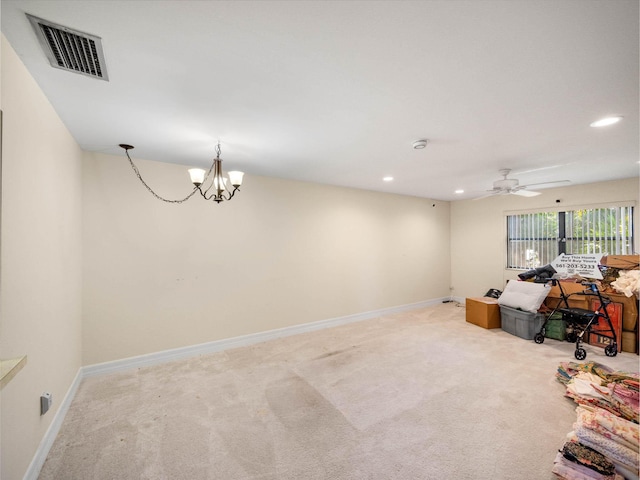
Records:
x=46, y=443
x=177, y=353
x=164, y=356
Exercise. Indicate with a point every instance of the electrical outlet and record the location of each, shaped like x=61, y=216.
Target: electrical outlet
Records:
x=45, y=402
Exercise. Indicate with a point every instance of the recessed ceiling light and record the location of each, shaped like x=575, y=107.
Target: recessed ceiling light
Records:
x=419, y=144
x=459, y=191
x=604, y=122
x=387, y=179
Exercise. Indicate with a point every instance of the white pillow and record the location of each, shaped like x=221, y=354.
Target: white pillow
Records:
x=527, y=296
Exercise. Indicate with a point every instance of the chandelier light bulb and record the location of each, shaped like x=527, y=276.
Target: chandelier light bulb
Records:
x=219, y=183
x=197, y=175
x=235, y=178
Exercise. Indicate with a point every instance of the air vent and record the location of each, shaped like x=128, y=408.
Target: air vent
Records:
x=70, y=49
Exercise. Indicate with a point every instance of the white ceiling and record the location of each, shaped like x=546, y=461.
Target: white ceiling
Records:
x=336, y=92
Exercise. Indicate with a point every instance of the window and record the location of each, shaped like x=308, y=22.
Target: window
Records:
x=536, y=239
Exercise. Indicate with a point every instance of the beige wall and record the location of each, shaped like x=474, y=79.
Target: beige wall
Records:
x=281, y=253
x=95, y=269
x=40, y=311
x=478, y=229
x=159, y=276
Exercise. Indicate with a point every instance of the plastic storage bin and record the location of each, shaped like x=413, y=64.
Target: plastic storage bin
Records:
x=520, y=323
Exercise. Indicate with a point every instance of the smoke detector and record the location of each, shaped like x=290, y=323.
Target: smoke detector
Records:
x=420, y=144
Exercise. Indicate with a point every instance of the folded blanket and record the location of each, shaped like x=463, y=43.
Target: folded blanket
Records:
x=626, y=399
x=587, y=457
x=620, y=397
x=569, y=470
x=615, y=451
x=628, y=473
x=606, y=374
x=615, y=428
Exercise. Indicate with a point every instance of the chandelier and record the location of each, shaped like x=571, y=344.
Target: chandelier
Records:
x=212, y=184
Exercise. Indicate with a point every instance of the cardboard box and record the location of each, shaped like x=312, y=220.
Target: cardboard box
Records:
x=624, y=262
x=629, y=310
x=569, y=288
x=629, y=342
x=484, y=312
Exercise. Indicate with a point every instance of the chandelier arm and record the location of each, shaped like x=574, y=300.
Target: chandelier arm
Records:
x=206, y=177
x=201, y=192
x=232, y=193
x=207, y=190
x=204, y=195
x=137, y=172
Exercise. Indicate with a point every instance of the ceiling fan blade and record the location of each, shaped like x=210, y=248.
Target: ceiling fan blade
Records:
x=483, y=196
x=546, y=183
x=491, y=193
x=548, y=167
x=525, y=193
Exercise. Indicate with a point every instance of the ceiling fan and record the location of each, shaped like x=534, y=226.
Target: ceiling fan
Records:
x=511, y=186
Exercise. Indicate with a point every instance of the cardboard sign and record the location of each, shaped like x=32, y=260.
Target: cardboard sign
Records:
x=585, y=265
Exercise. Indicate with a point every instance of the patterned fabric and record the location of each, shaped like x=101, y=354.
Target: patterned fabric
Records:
x=610, y=426
x=607, y=424
x=587, y=457
x=569, y=470
x=608, y=375
x=605, y=446
x=595, y=385
x=625, y=399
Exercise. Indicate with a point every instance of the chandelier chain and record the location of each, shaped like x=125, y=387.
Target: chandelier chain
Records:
x=137, y=172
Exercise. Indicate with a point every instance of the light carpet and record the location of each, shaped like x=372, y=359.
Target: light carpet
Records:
x=416, y=395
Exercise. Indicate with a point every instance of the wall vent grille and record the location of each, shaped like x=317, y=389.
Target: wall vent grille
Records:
x=70, y=49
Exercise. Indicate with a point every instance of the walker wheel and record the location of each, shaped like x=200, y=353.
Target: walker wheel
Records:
x=611, y=350
x=580, y=354
x=538, y=338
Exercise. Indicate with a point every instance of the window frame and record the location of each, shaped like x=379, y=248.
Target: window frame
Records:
x=562, y=225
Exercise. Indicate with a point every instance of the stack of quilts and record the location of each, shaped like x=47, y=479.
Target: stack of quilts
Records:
x=606, y=438
x=614, y=437
x=593, y=384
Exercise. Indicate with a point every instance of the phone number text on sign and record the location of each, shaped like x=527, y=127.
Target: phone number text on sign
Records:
x=584, y=265
x=577, y=266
